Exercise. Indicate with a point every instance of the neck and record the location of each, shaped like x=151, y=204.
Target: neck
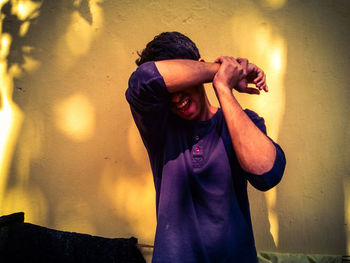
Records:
x=208, y=110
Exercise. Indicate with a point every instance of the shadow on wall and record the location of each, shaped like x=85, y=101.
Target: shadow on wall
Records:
x=315, y=129
x=311, y=203
x=307, y=209
x=71, y=161
x=260, y=40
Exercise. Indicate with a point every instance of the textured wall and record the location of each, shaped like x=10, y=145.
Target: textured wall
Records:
x=72, y=159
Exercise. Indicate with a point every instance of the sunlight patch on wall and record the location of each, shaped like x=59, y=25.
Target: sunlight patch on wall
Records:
x=273, y=103
x=276, y=59
x=30, y=64
x=5, y=43
x=346, y=186
x=24, y=29
x=29, y=148
x=74, y=216
x=271, y=197
x=274, y=4
x=28, y=199
x=78, y=36
x=80, y=33
x=21, y=196
x=25, y=9
x=75, y=117
x=133, y=199
x=261, y=43
x=347, y=212
x=2, y=2
x=97, y=14
x=11, y=117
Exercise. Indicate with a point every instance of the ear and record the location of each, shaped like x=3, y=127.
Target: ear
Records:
x=201, y=60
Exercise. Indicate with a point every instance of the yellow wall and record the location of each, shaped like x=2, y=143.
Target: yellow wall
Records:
x=71, y=157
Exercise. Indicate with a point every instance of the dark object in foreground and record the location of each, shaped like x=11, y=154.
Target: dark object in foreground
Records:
x=24, y=242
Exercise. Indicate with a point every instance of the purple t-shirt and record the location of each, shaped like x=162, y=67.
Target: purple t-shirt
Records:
x=201, y=190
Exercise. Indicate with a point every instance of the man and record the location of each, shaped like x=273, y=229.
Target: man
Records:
x=201, y=156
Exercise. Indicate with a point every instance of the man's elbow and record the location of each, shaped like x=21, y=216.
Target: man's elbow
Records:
x=271, y=178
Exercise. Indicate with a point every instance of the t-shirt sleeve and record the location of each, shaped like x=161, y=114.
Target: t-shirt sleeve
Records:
x=149, y=103
x=271, y=178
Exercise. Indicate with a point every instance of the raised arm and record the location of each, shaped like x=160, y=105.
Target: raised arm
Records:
x=179, y=74
x=254, y=150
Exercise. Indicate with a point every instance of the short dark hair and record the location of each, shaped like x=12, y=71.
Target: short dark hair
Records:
x=168, y=45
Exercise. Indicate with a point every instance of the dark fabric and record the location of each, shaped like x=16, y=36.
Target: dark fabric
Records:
x=13, y=218
x=24, y=242
x=201, y=191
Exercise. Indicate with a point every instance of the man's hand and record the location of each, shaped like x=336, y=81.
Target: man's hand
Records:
x=254, y=75
x=229, y=74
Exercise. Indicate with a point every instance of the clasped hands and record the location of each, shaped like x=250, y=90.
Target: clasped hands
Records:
x=238, y=73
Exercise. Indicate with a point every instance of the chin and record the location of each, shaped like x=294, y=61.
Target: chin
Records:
x=191, y=113
x=189, y=117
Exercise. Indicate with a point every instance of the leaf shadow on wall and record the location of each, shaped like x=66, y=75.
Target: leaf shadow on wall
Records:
x=68, y=170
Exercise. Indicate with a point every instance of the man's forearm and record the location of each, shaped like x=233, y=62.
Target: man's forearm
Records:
x=255, y=152
x=179, y=74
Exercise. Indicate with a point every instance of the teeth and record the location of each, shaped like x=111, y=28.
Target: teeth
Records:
x=183, y=103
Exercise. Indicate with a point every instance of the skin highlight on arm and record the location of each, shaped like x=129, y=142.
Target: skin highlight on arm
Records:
x=179, y=74
x=255, y=152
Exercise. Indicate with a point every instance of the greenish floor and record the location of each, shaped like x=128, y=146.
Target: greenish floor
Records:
x=269, y=257
x=273, y=257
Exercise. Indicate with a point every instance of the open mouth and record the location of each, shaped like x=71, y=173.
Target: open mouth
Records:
x=183, y=105
x=185, y=102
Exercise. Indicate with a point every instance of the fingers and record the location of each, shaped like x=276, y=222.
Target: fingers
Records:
x=221, y=59
x=252, y=91
x=264, y=87
x=242, y=72
x=262, y=84
x=242, y=61
x=248, y=90
x=218, y=60
x=256, y=76
x=260, y=76
x=260, y=80
x=229, y=73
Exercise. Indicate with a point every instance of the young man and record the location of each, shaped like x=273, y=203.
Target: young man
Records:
x=201, y=156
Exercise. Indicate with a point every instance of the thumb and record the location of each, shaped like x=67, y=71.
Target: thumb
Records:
x=252, y=91
x=218, y=60
x=243, y=83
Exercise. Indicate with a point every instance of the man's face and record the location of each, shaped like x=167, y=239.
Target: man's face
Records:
x=189, y=104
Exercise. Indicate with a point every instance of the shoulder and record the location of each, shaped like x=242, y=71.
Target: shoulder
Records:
x=147, y=84
x=147, y=72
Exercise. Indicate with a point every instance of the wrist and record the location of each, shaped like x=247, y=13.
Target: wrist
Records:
x=211, y=69
x=221, y=88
